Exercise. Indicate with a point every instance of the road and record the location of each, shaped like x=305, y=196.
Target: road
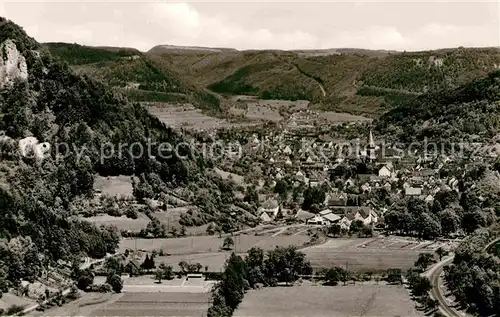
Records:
x=434, y=274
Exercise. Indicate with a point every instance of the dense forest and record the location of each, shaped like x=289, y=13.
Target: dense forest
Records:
x=133, y=74
x=448, y=115
x=57, y=106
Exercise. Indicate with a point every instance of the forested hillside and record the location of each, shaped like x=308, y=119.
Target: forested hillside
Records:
x=133, y=74
x=353, y=81
x=79, y=117
x=448, y=116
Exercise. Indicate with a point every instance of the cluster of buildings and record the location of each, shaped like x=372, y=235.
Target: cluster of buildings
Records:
x=416, y=176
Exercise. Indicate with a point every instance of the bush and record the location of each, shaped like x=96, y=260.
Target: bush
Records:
x=116, y=282
x=101, y=288
x=131, y=213
x=14, y=310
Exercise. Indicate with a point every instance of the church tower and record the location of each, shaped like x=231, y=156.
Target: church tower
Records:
x=370, y=151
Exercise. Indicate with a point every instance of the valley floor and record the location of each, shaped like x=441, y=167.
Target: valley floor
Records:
x=314, y=301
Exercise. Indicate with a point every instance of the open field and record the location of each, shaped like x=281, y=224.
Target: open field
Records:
x=340, y=117
x=114, y=185
x=187, y=116
x=371, y=254
x=148, y=284
x=214, y=260
x=122, y=223
x=83, y=306
x=238, y=179
x=157, y=304
x=256, y=111
x=209, y=244
x=9, y=299
x=246, y=110
x=171, y=216
x=311, y=301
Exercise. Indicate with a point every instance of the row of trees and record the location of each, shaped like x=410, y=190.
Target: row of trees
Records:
x=430, y=220
x=281, y=265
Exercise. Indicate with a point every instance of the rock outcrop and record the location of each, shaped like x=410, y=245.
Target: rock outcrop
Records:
x=12, y=64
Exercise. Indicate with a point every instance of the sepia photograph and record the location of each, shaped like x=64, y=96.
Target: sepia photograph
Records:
x=202, y=158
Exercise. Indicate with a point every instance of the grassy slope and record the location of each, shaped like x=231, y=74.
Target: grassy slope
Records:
x=353, y=82
x=144, y=78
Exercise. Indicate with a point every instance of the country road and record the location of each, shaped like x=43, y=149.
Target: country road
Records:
x=434, y=274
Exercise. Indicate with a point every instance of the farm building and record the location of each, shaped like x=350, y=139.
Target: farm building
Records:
x=270, y=207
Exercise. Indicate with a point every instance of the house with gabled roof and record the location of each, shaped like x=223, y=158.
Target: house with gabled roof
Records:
x=287, y=150
x=264, y=217
x=335, y=199
x=366, y=187
x=270, y=207
x=429, y=198
x=386, y=171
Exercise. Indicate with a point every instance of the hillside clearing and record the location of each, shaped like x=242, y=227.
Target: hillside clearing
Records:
x=122, y=223
x=114, y=185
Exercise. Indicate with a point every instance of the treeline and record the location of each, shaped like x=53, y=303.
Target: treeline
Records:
x=281, y=265
x=76, y=54
x=474, y=276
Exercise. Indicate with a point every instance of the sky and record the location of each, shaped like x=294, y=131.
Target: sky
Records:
x=392, y=25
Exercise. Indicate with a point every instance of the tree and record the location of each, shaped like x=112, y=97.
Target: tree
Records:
x=228, y=243
x=420, y=287
x=251, y=195
x=158, y=275
x=164, y=272
x=394, y=276
x=4, y=284
x=450, y=221
x=131, y=213
x=184, y=267
x=441, y=252
x=233, y=281
x=211, y=229
x=334, y=229
x=149, y=263
x=116, y=282
x=424, y=260
x=113, y=265
x=313, y=195
x=473, y=220
x=85, y=279
x=284, y=265
x=367, y=231
x=334, y=275
x=281, y=188
x=428, y=227
x=255, y=264
x=356, y=226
